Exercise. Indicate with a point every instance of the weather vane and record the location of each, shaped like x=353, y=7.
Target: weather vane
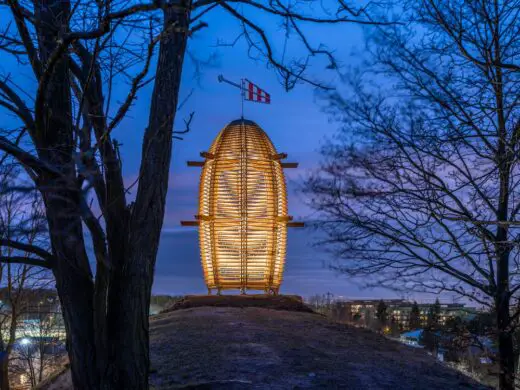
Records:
x=249, y=91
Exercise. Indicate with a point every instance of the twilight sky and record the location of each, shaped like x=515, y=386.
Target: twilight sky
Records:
x=295, y=124
x=293, y=121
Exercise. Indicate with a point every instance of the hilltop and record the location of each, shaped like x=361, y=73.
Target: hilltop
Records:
x=257, y=348
x=275, y=302
x=258, y=342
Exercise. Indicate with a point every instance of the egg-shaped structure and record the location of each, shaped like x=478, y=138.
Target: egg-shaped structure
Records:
x=242, y=211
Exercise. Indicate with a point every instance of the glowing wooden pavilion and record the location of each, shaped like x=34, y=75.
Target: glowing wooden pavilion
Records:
x=242, y=215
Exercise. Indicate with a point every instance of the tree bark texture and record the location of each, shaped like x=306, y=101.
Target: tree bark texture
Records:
x=53, y=137
x=106, y=319
x=131, y=283
x=4, y=371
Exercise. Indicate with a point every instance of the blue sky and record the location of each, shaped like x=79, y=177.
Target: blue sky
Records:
x=294, y=121
x=295, y=124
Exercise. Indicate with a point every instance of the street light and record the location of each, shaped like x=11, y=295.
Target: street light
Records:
x=25, y=341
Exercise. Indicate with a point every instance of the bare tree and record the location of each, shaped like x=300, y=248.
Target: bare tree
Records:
x=39, y=350
x=14, y=277
x=420, y=190
x=20, y=220
x=77, y=51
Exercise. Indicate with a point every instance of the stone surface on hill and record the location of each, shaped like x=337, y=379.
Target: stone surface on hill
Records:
x=276, y=302
x=259, y=348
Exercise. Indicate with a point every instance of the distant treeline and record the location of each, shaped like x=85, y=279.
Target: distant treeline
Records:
x=164, y=300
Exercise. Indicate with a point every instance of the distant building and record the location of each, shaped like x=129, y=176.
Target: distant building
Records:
x=412, y=338
x=38, y=313
x=400, y=309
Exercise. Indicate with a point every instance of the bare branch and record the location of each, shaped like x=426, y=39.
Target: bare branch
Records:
x=19, y=16
x=24, y=260
x=284, y=71
x=26, y=158
x=29, y=248
x=187, y=128
x=19, y=108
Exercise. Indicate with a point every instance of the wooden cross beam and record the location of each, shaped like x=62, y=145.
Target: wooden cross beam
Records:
x=189, y=223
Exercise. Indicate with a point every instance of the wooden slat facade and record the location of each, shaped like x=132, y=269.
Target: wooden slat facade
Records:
x=242, y=214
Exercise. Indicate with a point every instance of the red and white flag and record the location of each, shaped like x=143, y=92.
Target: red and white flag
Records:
x=255, y=94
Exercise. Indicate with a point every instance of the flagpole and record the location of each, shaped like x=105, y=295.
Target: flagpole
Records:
x=242, y=95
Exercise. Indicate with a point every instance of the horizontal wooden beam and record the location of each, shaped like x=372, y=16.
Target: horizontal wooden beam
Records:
x=207, y=155
x=279, y=156
x=200, y=217
x=195, y=163
x=205, y=218
x=201, y=163
x=189, y=223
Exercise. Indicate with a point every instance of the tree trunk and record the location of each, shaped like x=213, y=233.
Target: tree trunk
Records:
x=107, y=344
x=53, y=137
x=504, y=160
x=4, y=370
x=517, y=371
x=131, y=283
x=75, y=289
x=74, y=282
x=506, y=355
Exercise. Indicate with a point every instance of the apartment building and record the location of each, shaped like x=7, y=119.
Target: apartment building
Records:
x=400, y=310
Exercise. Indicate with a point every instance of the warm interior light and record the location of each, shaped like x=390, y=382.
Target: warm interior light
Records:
x=242, y=211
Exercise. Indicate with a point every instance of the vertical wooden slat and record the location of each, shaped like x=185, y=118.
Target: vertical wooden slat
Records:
x=241, y=200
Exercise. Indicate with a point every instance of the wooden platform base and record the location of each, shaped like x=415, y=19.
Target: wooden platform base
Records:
x=275, y=302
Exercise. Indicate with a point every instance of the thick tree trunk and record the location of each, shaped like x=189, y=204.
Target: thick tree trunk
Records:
x=75, y=290
x=506, y=355
x=504, y=159
x=4, y=370
x=74, y=281
x=54, y=142
x=107, y=323
x=131, y=281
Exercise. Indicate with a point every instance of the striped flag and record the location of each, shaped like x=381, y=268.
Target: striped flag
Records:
x=255, y=94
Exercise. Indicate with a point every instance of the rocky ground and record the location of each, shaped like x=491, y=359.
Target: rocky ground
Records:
x=276, y=302
x=259, y=348
x=230, y=345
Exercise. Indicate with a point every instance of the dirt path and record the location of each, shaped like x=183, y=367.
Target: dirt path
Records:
x=256, y=348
